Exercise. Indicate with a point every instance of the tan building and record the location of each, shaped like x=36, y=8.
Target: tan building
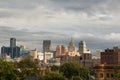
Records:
x=107, y=72
x=58, y=51
x=110, y=65
x=63, y=50
x=96, y=61
x=67, y=58
x=71, y=47
x=87, y=60
x=34, y=54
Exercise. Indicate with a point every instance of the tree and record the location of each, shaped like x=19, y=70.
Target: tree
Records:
x=54, y=68
x=70, y=69
x=84, y=73
x=76, y=78
x=116, y=71
x=28, y=67
x=74, y=70
x=54, y=76
x=7, y=71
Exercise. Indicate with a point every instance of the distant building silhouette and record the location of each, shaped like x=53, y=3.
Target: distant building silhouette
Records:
x=46, y=45
x=13, y=51
x=5, y=51
x=12, y=42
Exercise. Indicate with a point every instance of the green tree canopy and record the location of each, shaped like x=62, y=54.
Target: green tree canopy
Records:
x=54, y=68
x=54, y=76
x=84, y=73
x=70, y=69
x=28, y=67
x=7, y=71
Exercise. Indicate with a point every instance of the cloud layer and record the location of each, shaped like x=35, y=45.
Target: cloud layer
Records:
x=32, y=21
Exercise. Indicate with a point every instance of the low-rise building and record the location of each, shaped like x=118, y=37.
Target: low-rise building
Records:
x=107, y=72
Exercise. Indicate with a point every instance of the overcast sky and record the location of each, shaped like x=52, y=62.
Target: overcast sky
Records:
x=31, y=21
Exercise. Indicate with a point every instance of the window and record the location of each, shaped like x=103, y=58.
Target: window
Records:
x=112, y=76
x=101, y=75
x=107, y=75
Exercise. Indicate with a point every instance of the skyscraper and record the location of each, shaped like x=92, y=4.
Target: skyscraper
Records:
x=58, y=51
x=46, y=45
x=71, y=47
x=13, y=51
x=5, y=51
x=85, y=54
x=12, y=42
x=63, y=50
x=83, y=48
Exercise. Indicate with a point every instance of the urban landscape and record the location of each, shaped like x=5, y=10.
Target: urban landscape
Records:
x=59, y=40
x=66, y=63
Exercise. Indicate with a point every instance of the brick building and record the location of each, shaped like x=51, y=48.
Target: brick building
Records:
x=110, y=56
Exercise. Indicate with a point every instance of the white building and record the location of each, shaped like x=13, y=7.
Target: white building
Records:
x=98, y=53
x=47, y=56
x=40, y=56
x=83, y=48
x=34, y=54
x=53, y=61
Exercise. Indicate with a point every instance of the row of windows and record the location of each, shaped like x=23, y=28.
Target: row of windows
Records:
x=107, y=75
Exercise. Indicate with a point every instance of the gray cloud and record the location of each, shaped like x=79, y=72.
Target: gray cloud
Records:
x=20, y=4
x=32, y=21
x=34, y=39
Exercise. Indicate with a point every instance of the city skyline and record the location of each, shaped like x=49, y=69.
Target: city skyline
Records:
x=32, y=21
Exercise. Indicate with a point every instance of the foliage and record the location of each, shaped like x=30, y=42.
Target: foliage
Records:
x=7, y=71
x=76, y=78
x=54, y=76
x=70, y=69
x=54, y=68
x=28, y=67
x=116, y=73
x=84, y=73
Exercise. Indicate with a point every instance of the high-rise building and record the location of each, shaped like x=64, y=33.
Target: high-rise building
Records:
x=47, y=46
x=83, y=48
x=12, y=42
x=63, y=50
x=13, y=51
x=71, y=47
x=85, y=54
x=5, y=51
x=58, y=51
x=111, y=56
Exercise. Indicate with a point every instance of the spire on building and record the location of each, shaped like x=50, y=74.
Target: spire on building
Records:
x=71, y=47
